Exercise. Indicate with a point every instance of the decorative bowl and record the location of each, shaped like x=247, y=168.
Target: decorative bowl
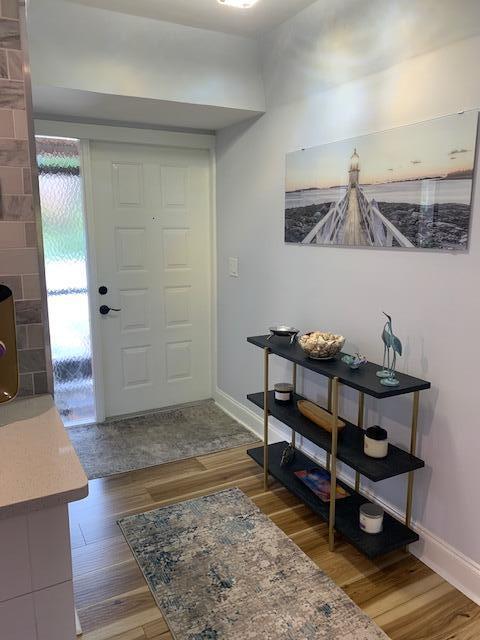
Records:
x=321, y=345
x=354, y=362
x=283, y=330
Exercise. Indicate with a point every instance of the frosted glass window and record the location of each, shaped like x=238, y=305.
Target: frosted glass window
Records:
x=64, y=238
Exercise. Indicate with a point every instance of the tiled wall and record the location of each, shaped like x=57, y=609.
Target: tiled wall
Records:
x=19, y=264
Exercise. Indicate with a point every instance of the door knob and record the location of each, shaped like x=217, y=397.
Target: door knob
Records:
x=104, y=309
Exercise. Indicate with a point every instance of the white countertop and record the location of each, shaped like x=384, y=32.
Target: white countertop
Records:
x=38, y=464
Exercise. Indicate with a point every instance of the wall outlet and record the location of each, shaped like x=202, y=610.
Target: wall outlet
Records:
x=233, y=267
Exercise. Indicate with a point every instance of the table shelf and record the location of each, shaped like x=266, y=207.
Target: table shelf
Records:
x=364, y=379
x=395, y=535
x=350, y=441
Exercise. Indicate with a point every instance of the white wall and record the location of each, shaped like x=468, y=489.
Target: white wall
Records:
x=105, y=52
x=432, y=296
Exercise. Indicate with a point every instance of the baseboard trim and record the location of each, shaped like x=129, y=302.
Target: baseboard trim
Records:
x=452, y=565
x=246, y=416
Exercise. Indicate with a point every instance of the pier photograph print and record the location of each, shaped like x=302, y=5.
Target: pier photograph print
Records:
x=409, y=187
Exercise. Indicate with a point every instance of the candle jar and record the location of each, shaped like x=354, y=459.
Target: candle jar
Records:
x=283, y=392
x=375, y=442
x=371, y=518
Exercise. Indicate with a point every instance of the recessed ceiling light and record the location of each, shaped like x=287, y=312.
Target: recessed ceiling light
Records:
x=240, y=4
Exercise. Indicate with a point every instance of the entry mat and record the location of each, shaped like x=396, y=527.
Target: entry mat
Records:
x=137, y=442
x=219, y=569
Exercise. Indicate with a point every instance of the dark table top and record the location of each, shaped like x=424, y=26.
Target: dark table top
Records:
x=363, y=379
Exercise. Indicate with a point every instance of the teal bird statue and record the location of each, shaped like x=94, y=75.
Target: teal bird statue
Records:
x=390, y=344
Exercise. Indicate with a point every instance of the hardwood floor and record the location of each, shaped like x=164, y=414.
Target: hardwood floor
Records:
x=408, y=600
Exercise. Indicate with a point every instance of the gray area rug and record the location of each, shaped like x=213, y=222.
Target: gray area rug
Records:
x=219, y=569
x=154, y=438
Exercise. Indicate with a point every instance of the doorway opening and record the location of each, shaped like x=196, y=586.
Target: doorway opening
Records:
x=65, y=255
x=128, y=258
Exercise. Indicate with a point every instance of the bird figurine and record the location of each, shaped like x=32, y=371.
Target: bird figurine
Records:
x=390, y=343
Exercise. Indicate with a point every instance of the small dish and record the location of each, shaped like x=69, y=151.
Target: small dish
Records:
x=284, y=331
x=354, y=362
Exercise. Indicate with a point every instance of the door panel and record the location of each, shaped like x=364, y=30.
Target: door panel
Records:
x=135, y=307
x=177, y=306
x=128, y=184
x=153, y=252
x=136, y=366
x=179, y=360
x=176, y=243
x=174, y=184
x=130, y=248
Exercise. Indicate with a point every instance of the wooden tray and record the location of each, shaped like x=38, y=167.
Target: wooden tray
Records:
x=318, y=415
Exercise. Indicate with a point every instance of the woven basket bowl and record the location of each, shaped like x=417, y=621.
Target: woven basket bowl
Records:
x=321, y=345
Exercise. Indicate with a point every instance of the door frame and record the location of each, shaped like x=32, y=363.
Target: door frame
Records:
x=88, y=133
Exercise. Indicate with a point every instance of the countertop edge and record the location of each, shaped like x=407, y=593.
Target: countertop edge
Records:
x=46, y=502
x=41, y=468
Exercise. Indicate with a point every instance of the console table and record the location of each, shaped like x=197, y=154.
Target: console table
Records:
x=341, y=515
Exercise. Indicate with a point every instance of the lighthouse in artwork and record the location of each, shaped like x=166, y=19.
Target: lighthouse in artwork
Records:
x=354, y=170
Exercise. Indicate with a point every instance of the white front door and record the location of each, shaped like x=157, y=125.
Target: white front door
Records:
x=151, y=219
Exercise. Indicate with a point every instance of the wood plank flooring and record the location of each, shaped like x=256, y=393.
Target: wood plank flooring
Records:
x=408, y=600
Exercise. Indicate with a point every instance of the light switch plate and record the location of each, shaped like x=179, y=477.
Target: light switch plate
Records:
x=233, y=267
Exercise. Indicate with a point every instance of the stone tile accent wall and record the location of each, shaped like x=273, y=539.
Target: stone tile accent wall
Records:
x=19, y=259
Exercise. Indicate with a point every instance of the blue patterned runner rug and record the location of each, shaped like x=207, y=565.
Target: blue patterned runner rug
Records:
x=219, y=569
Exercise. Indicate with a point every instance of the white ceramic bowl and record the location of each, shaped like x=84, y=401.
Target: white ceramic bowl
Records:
x=321, y=345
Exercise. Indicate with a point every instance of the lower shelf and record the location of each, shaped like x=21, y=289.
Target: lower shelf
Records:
x=395, y=535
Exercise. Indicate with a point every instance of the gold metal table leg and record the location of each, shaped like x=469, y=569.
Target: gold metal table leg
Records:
x=266, y=353
x=294, y=383
x=360, y=421
x=329, y=407
x=413, y=449
x=333, y=466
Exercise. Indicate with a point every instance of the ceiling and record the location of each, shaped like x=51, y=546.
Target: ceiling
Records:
x=208, y=14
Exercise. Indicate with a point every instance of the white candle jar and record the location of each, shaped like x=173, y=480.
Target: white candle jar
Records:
x=283, y=392
x=375, y=442
x=371, y=518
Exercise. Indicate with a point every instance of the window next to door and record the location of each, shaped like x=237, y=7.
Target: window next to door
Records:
x=65, y=254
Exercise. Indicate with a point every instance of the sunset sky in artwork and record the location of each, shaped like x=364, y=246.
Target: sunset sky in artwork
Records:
x=428, y=149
